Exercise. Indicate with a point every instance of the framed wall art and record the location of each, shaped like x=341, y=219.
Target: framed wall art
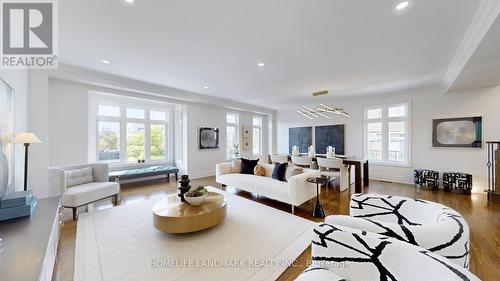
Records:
x=458, y=132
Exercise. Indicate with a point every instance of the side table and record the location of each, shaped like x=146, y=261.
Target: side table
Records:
x=318, y=211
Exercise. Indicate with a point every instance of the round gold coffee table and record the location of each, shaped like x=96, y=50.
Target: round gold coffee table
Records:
x=171, y=215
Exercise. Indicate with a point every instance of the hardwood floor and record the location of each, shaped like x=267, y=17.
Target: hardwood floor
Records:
x=483, y=219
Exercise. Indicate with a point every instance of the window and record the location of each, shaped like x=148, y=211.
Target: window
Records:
x=387, y=134
x=108, y=141
x=129, y=134
x=257, y=135
x=135, y=142
x=232, y=132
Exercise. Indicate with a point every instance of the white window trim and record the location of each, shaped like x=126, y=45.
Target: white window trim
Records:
x=260, y=134
x=97, y=99
x=235, y=125
x=385, y=133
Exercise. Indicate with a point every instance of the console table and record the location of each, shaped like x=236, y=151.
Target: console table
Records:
x=29, y=245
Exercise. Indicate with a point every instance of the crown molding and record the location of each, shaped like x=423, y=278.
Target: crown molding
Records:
x=483, y=19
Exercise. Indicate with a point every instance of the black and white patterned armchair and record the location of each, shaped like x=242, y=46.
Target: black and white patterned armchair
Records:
x=430, y=225
x=340, y=252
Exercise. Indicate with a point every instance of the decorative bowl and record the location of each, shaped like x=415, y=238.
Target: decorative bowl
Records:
x=195, y=200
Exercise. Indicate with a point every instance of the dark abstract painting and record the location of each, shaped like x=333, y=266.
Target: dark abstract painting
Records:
x=329, y=135
x=301, y=137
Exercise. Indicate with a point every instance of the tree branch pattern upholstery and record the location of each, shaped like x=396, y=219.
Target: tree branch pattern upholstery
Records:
x=430, y=225
x=355, y=255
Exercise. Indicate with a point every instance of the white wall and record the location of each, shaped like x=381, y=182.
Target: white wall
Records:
x=425, y=107
x=202, y=161
x=18, y=79
x=68, y=120
x=38, y=117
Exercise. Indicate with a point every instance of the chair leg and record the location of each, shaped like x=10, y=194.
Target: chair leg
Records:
x=115, y=199
x=74, y=214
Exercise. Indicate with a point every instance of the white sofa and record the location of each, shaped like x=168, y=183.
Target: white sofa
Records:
x=96, y=188
x=294, y=192
x=343, y=253
x=429, y=225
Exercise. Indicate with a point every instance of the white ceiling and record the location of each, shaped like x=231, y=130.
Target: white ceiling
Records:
x=346, y=46
x=483, y=68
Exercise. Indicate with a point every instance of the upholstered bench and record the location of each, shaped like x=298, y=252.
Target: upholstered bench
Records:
x=142, y=172
x=457, y=182
x=426, y=178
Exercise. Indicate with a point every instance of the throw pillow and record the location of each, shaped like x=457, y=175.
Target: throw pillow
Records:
x=247, y=166
x=236, y=166
x=259, y=170
x=279, y=171
x=293, y=170
x=78, y=176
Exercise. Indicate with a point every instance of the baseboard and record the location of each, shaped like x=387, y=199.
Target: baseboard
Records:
x=386, y=178
x=201, y=174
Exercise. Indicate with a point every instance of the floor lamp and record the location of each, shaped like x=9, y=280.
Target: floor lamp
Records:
x=26, y=139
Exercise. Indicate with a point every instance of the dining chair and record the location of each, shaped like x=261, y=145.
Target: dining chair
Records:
x=303, y=161
x=279, y=158
x=334, y=168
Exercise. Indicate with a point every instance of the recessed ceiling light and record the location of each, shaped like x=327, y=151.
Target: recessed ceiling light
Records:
x=205, y=87
x=105, y=61
x=402, y=5
x=260, y=64
x=129, y=1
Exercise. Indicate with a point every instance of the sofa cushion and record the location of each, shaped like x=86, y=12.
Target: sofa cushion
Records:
x=259, y=170
x=293, y=170
x=265, y=186
x=279, y=171
x=235, y=166
x=247, y=166
x=85, y=193
x=78, y=176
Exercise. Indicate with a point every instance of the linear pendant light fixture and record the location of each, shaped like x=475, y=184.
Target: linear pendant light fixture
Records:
x=321, y=110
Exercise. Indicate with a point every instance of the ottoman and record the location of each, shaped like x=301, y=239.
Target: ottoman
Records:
x=422, y=177
x=457, y=182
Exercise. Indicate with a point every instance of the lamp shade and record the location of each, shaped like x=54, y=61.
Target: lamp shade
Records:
x=26, y=138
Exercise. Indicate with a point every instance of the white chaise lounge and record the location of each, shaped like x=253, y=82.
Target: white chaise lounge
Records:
x=294, y=192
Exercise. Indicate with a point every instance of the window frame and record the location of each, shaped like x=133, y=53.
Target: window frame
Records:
x=385, y=120
x=235, y=125
x=258, y=127
x=123, y=103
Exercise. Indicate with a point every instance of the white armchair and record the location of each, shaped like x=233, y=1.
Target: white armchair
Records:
x=356, y=255
x=429, y=225
x=83, y=184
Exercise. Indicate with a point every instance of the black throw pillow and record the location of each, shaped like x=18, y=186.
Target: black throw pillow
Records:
x=279, y=171
x=247, y=166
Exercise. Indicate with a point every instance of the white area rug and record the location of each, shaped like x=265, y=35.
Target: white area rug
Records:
x=254, y=242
